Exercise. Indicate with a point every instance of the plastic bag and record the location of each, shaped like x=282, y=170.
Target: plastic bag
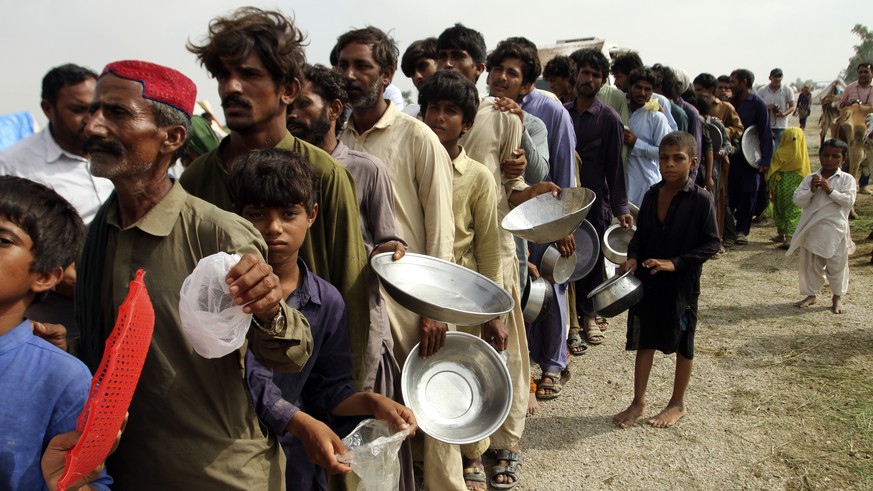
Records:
x=213, y=324
x=373, y=455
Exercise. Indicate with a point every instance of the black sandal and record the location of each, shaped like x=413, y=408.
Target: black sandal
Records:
x=511, y=470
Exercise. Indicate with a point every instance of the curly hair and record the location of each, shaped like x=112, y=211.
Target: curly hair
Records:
x=592, y=58
x=562, y=67
x=644, y=73
x=249, y=30
x=515, y=48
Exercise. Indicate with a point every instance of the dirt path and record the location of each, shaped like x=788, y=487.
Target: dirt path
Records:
x=781, y=398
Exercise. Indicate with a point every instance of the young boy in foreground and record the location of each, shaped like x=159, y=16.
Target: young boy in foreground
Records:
x=822, y=234
x=676, y=233
x=43, y=388
x=275, y=190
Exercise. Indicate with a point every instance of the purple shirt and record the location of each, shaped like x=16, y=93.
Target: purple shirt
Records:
x=695, y=127
x=318, y=388
x=599, y=139
x=752, y=111
x=561, y=136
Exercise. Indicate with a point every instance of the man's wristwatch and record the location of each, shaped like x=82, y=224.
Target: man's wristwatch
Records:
x=276, y=324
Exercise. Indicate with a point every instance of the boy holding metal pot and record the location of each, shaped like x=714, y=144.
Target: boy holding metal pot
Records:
x=676, y=232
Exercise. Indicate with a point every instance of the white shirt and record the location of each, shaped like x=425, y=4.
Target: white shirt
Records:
x=823, y=228
x=39, y=158
x=781, y=98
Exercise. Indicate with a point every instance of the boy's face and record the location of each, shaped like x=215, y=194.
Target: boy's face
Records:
x=460, y=61
x=560, y=86
x=675, y=163
x=831, y=158
x=283, y=229
x=16, y=259
x=446, y=119
x=506, y=80
x=424, y=68
x=723, y=91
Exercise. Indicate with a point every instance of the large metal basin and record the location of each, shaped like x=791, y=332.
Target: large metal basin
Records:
x=441, y=290
x=546, y=218
x=461, y=394
x=617, y=294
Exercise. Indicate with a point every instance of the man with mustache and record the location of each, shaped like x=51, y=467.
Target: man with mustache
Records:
x=55, y=157
x=257, y=59
x=421, y=175
x=192, y=424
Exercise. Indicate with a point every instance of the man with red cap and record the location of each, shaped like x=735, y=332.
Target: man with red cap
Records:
x=191, y=423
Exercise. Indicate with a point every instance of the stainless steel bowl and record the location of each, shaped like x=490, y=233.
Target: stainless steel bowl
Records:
x=545, y=218
x=461, y=394
x=617, y=294
x=615, y=242
x=538, y=296
x=587, y=250
x=751, y=146
x=441, y=290
x=556, y=268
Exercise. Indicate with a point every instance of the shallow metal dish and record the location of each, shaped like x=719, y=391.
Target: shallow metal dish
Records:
x=587, y=250
x=461, y=394
x=616, y=294
x=615, y=242
x=545, y=218
x=556, y=268
x=441, y=290
x=538, y=297
x=751, y=145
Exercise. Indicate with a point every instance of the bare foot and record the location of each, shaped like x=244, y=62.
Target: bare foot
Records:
x=838, y=307
x=668, y=417
x=806, y=302
x=532, y=404
x=628, y=417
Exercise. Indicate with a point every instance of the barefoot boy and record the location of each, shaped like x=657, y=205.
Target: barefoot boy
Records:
x=43, y=388
x=822, y=234
x=275, y=190
x=676, y=233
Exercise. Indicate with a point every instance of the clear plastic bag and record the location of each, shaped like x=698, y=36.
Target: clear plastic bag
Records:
x=213, y=324
x=372, y=455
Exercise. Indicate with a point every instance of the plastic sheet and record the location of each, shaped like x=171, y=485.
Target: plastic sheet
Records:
x=213, y=324
x=372, y=455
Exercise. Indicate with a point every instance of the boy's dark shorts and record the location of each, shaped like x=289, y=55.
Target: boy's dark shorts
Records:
x=659, y=336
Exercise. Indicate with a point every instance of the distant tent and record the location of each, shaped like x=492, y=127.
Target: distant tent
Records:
x=14, y=127
x=818, y=95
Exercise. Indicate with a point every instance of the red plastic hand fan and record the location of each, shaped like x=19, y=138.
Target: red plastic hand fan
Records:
x=113, y=385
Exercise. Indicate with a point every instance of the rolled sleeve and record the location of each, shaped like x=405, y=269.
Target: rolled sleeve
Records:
x=286, y=349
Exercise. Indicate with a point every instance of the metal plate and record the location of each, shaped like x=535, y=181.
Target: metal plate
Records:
x=751, y=145
x=460, y=395
x=546, y=218
x=587, y=250
x=441, y=290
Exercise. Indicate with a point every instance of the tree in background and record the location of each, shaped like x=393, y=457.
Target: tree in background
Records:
x=863, y=52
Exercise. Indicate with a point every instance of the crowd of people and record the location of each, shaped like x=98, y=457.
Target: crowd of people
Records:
x=323, y=167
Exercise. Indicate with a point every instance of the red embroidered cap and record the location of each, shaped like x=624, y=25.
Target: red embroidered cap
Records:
x=159, y=83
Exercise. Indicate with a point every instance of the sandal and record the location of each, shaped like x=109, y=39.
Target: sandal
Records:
x=553, y=385
x=593, y=334
x=602, y=323
x=575, y=345
x=475, y=475
x=514, y=461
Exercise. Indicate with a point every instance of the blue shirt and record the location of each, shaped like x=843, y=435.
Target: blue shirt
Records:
x=318, y=388
x=44, y=390
x=642, y=163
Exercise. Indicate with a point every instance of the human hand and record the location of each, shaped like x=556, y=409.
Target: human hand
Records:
x=566, y=246
x=55, y=334
x=433, y=336
x=67, y=286
x=254, y=286
x=629, y=137
x=320, y=443
x=398, y=415
x=54, y=459
x=394, y=246
x=505, y=104
x=656, y=265
x=532, y=270
x=816, y=181
x=537, y=189
x=515, y=166
x=626, y=221
x=629, y=265
x=494, y=332
x=764, y=169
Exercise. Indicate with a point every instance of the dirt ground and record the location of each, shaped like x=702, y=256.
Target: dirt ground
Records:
x=780, y=398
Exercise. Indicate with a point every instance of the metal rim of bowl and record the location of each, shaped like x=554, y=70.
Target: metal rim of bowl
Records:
x=609, y=282
x=608, y=251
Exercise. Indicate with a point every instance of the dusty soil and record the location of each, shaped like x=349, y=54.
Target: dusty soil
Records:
x=781, y=398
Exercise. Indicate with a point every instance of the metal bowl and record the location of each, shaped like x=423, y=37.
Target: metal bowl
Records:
x=751, y=146
x=556, y=268
x=587, y=250
x=461, y=394
x=545, y=218
x=615, y=242
x=441, y=290
x=616, y=294
x=536, y=300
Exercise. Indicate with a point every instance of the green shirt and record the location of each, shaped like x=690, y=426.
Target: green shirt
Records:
x=334, y=246
x=192, y=424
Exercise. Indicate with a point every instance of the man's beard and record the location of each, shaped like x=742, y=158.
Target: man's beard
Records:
x=313, y=133
x=368, y=98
